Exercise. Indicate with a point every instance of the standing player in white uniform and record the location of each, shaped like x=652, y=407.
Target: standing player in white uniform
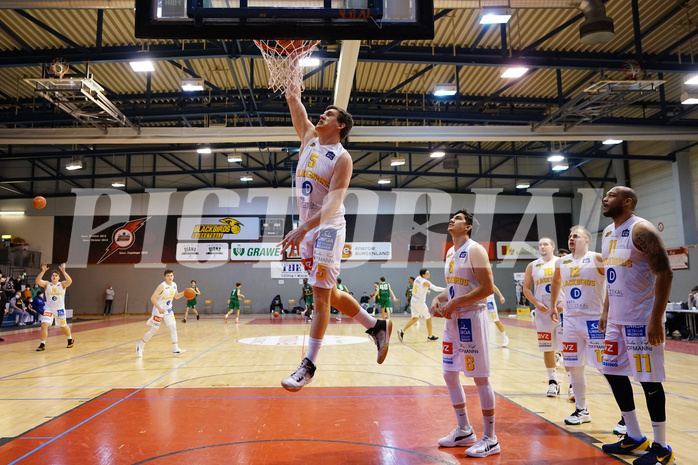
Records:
x=162, y=300
x=539, y=273
x=322, y=178
x=418, y=305
x=494, y=314
x=638, y=280
x=55, y=304
x=580, y=276
x=466, y=343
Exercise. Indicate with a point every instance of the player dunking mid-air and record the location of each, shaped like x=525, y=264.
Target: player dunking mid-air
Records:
x=638, y=282
x=55, y=303
x=420, y=288
x=466, y=334
x=539, y=273
x=162, y=300
x=322, y=178
x=234, y=303
x=192, y=303
x=385, y=297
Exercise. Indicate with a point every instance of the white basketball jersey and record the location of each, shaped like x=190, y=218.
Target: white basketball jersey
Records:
x=419, y=291
x=313, y=175
x=582, y=284
x=167, y=297
x=629, y=279
x=55, y=296
x=542, y=273
x=460, y=277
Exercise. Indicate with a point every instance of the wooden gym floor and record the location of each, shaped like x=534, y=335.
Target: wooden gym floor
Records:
x=221, y=401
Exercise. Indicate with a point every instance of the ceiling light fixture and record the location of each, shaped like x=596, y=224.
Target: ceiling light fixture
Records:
x=397, y=161
x=444, y=90
x=612, y=141
x=121, y=182
x=192, y=85
x=234, y=158
x=560, y=165
x=12, y=213
x=310, y=62
x=437, y=154
x=523, y=185
x=73, y=165
x=246, y=178
x=689, y=98
x=514, y=72
x=497, y=16
x=555, y=157
x=383, y=181
x=691, y=80
x=203, y=150
x=142, y=66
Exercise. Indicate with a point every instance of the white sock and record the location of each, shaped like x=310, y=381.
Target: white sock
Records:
x=552, y=374
x=43, y=342
x=462, y=418
x=659, y=429
x=579, y=384
x=364, y=319
x=633, y=424
x=313, y=349
x=489, y=426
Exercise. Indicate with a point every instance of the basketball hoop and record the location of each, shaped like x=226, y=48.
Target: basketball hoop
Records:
x=282, y=58
x=59, y=66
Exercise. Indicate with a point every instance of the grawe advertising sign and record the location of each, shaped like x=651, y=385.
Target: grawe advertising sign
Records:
x=255, y=251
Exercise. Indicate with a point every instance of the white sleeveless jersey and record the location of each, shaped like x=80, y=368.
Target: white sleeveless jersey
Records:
x=629, y=279
x=55, y=296
x=582, y=284
x=313, y=175
x=419, y=292
x=167, y=297
x=542, y=273
x=460, y=277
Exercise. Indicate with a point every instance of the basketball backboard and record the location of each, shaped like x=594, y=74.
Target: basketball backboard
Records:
x=294, y=19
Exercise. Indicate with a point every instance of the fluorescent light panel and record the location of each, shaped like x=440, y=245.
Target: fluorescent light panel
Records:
x=246, y=178
x=397, y=161
x=689, y=98
x=12, y=213
x=692, y=80
x=73, y=165
x=204, y=150
x=612, y=141
x=142, y=66
x=523, y=185
x=560, y=166
x=384, y=181
x=513, y=73
x=437, y=154
x=119, y=183
x=192, y=85
x=232, y=158
x=501, y=16
x=444, y=90
x=555, y=157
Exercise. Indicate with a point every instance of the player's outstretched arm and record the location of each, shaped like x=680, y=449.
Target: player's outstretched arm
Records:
x=499, y=293
x=646, y=238
x=299, y=116
x=40, y=277
x=68, y=280
x=555, y=290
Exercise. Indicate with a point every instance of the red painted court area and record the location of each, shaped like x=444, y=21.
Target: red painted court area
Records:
x=377, y=425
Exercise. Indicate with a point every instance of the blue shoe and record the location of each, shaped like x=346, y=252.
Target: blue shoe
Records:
x=627, y=445
x=658, y=455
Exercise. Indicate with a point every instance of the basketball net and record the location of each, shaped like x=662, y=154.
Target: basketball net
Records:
x=283, y=61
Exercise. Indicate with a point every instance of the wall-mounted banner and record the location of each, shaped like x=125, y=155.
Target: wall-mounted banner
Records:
x=202, y=252
x=251, y=252
x=288, y=270
x=367, y=251
x=517, y=250
x=216, y=228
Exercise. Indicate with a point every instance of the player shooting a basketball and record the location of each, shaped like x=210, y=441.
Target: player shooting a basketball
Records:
x=322, y=177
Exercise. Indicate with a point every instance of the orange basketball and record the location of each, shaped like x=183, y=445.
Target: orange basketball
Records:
x=39, y=202
x=276, y=314
x=189, y=293
x=372, y=295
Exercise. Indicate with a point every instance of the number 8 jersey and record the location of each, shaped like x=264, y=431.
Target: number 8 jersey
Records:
x=460, y=277
x=629, y=279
